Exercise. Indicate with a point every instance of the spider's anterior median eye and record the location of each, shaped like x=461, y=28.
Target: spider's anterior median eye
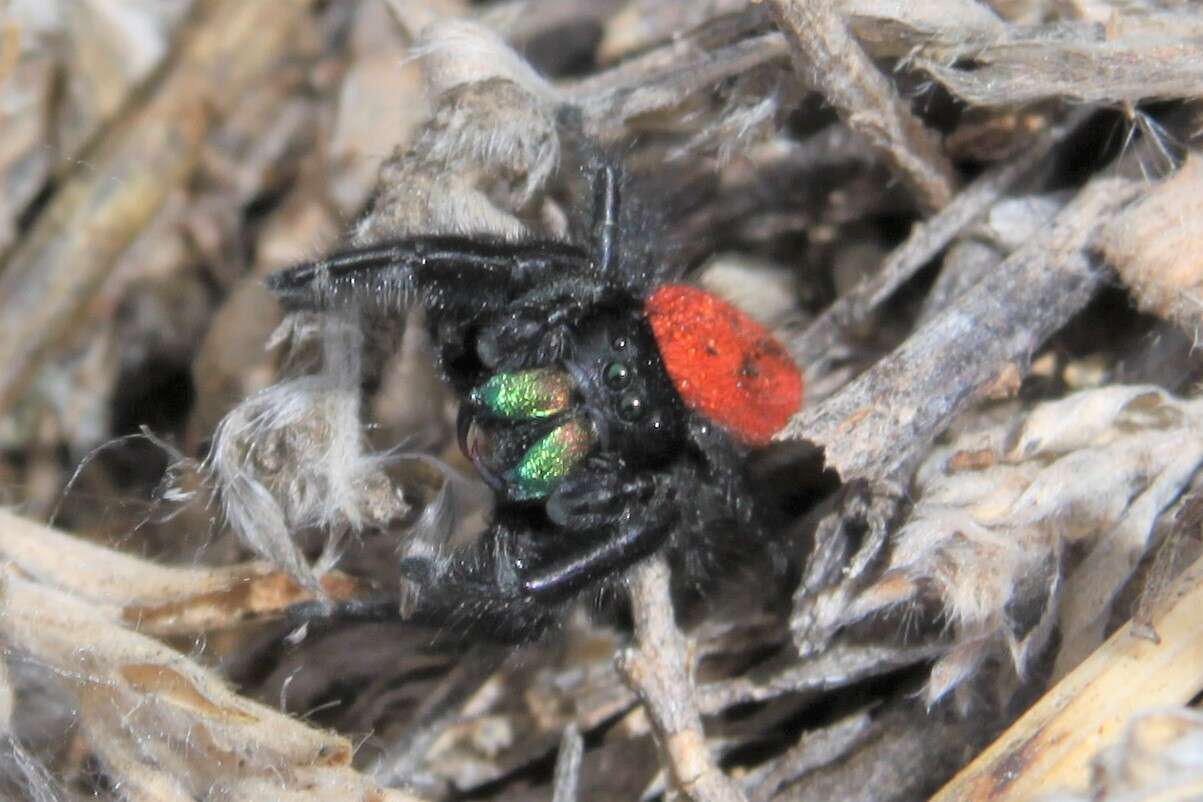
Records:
x=631, y=407
x=617, y=375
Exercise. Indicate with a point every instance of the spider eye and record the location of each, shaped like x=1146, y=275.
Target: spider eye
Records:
x=619, y=343
x=631, y=408
x=617, y=375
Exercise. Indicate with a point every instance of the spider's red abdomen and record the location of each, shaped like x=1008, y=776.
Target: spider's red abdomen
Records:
x=724, y=365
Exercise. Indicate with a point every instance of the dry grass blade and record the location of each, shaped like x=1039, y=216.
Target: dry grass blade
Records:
x=122, y=182
x=1050, y=747
x=158, y=599
x=1157, y=249
x=163, y=721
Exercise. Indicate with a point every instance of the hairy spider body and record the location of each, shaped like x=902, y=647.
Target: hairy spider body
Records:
x=609, y=410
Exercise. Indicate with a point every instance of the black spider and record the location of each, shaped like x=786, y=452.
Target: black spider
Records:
x=610, y=410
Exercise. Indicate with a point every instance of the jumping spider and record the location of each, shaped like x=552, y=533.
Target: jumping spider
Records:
x=610, y=410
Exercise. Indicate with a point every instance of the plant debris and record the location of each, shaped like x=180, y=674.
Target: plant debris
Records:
x=974, y=225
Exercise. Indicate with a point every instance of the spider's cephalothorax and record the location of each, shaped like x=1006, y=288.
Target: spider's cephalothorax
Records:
x=609, y=409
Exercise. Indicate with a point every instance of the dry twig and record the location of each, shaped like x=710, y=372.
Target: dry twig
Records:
x=902, y=757
x=1135, y=57
x=658, y=668
x=813, y=750
x=408, y=749
x=926, y=240
x=832, y=61
x=664, y=78
x=838, y=667
x=568, y=765
x=880, y=424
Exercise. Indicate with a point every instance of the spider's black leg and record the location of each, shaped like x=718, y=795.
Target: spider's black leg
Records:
x=474, y=596
x=476, y=273
x=625, y=544
x=512, y=587
x=608, y=522
x=605, y=218
x=446, y=272
x=523, y=610
x=562, y=298
x=468, y=601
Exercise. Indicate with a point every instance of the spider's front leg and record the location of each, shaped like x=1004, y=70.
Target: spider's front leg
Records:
x=513, y=587
x=462, y=275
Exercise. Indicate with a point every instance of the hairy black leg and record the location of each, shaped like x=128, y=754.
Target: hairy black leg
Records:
x=475, y=597
x=443, y=263
x=597, y=494
x=511, y=587
x=615, y=521
x=605, y=218
x=540, y=316
x=460, y=611
x=453, y=271
x=465, y=603
x=450, y=272
x=370, y=608
x=626, y=544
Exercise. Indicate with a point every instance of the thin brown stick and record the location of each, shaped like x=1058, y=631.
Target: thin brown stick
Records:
x=926, y=240
x=568, y=765
x=900, y=758
x=825, y=53
x=406, y=752
x=657, y=668
x=121, y=183
x=665, y=77
x=879, y=424
x=813, y=750
x=838, y=667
